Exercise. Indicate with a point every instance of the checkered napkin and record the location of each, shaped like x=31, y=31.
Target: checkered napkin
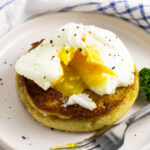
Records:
x=14, y=12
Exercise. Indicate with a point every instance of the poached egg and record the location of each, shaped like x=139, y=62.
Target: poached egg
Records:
x=77, y=57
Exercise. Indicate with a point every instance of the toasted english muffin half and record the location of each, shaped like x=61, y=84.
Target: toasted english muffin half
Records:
x=47, y=106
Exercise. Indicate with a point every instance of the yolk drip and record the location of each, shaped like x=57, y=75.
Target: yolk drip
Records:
x=70, y=83
x=82, y=70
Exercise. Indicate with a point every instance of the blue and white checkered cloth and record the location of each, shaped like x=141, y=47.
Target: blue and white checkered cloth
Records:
x=14, y=12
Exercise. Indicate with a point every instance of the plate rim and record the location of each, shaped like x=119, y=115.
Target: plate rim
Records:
x=26, y=24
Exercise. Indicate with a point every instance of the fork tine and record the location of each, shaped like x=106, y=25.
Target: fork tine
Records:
x=93, y=138
x=86, y=141
x=88, y=146
x=98, y=147
x=91, y=147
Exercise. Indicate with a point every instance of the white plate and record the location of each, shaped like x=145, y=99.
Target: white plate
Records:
x=15, y=121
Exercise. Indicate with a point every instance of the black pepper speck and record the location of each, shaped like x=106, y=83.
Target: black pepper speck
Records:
x=113, y=67
x=51, y=41
x=80, y=49
x=23, y=137
x=52, y=57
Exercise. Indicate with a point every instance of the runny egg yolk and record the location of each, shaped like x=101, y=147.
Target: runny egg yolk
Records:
x=70, y=83
x=82, y=69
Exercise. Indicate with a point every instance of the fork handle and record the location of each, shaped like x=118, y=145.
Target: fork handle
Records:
x=138, y=115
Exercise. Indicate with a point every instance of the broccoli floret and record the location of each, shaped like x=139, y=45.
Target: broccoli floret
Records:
x=145, y=82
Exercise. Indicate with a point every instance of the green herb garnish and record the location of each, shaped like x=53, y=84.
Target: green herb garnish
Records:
x=145, y=82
